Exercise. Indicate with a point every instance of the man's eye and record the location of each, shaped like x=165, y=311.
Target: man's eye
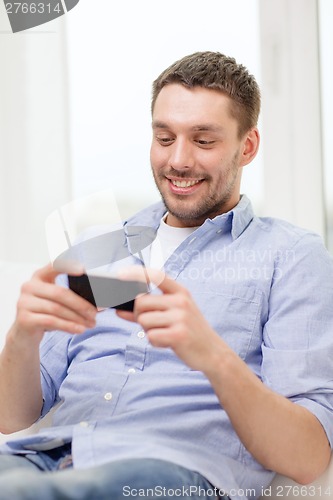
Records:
x=165, y=140
x=202, y=142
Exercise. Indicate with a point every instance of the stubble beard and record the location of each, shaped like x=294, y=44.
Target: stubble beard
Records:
x=213, y=204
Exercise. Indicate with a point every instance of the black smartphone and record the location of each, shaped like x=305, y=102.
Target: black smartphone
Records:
x=104, y=291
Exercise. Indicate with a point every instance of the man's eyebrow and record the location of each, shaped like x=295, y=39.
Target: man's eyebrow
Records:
x=205, y=127
x=159, y=124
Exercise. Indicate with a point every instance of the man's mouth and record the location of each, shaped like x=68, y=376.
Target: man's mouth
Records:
x=184, y=184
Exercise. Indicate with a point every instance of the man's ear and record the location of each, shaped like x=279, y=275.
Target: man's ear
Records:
x=251, y=143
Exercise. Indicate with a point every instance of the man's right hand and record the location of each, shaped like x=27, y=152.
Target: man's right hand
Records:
x=44, y=305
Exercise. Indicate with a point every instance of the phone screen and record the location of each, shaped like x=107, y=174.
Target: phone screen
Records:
x=104, y=291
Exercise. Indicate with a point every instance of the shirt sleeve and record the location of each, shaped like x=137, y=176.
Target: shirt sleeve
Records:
x=298, y=335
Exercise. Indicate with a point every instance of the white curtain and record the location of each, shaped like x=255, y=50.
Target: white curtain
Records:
x=292, y=129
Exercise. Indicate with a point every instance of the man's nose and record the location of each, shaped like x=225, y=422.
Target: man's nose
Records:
x=181, y=155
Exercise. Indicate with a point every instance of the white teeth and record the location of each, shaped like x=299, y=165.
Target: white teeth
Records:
x=183, y=184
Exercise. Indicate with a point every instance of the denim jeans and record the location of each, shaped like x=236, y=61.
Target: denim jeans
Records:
x=50, y=476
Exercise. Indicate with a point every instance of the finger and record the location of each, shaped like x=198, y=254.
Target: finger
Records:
x=47, y=307
x=49, y=272
x=46, y=322
x=127, y=315
x=151, y=302
x=46, y=273
x=161, y=337
x=157, y=319
x=71, y=267
x=59, y=295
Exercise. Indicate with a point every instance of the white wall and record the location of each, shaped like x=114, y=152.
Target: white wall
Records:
x=115, y=52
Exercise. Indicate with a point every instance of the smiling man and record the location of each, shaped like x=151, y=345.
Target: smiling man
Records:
x=214, y=383
x=198, y=152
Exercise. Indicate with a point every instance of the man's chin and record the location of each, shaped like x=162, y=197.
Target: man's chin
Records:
x=184, y=210
x=186, y=218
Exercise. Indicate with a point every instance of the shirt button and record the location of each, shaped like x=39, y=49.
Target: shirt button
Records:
x=131, y=370
x=141, y=334
x=84, y=424
x=108, y=396
x=219, y=231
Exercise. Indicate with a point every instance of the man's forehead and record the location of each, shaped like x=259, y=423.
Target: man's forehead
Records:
x=205, y=105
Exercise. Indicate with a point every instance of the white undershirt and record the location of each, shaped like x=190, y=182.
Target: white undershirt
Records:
x=168, y=238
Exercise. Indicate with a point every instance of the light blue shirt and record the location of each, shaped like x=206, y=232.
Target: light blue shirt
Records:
x=266, y=287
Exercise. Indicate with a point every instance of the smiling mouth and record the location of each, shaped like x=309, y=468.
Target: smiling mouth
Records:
x=184, y=183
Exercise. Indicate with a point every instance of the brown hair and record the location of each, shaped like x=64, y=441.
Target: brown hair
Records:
x=213, y=70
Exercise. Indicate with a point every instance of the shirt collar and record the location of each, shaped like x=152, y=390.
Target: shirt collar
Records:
x=235, y=221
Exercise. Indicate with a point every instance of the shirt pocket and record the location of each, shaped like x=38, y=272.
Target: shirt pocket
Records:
x=233, y=310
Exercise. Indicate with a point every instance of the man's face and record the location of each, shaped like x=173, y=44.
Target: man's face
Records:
x=196, y=154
